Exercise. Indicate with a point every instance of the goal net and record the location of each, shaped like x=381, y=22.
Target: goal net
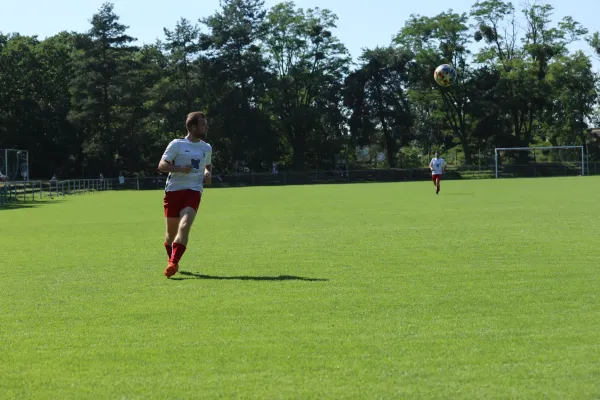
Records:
x=539, y=161
x=14, y=165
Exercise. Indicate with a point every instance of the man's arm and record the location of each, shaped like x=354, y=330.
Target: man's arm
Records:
x=431, y=164
x=167, y=167
x=208, y=168
x=208, y=174
x=166, y=163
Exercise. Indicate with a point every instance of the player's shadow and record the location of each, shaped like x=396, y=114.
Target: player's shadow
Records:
x=192, y=275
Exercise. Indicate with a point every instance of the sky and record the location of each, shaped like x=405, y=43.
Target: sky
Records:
x=360, y=25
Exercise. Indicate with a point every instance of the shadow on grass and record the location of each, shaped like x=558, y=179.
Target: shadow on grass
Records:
x=192, y=275
x=15, y=205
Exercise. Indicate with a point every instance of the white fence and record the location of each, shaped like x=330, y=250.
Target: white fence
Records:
x=37, y=190
x=24, y=191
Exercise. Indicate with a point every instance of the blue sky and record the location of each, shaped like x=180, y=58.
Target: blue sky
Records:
x=365, y=24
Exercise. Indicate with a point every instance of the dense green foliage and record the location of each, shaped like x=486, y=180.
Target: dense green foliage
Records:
x=278, y=86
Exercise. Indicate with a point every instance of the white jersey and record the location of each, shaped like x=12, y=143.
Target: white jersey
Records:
x=181, y=153
x=438, y=165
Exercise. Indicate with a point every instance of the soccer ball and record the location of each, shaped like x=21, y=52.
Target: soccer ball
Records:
x=445, y=75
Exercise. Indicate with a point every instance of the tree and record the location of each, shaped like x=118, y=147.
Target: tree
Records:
x=19, y=100
x=433, y=41
x=183, y=47
x=177, y=87
x=309, y=64
x=57, y=135
x=594, y=41
x=276, y=85
x=574, y=98
x=105, y=62
x=523, y=91
x=34, y=100
x=375, y=95
x=496, y=24
x=142, y=123
x=236, y=79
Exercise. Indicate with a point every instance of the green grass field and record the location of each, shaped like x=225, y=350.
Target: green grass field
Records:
x=372, y=291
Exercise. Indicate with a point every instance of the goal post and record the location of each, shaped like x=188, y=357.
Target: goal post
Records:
x=580, y=157
x=14, y=165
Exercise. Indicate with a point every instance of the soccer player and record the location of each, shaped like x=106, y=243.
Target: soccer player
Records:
x=188, y=163
x=438, y=167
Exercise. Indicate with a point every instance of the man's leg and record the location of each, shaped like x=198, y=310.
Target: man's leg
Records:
x=437, y=184
x=171, y=233
x=180, y=243
x=188, y=215
x=172, y=205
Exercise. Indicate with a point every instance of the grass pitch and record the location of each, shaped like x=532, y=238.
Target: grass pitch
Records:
x=489, y=290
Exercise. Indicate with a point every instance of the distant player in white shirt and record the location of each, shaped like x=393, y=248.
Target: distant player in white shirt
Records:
x=188, y=163
x=438, y=167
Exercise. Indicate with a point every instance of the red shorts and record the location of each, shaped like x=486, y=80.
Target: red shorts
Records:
x=177, y=200
x=436, y=177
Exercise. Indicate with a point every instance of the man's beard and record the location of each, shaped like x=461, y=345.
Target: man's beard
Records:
x=202, y=135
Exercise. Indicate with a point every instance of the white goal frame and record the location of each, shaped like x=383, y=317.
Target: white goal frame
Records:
x=497, y=149
x=4, y=167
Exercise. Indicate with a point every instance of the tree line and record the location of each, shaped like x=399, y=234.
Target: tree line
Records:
x=278, y=86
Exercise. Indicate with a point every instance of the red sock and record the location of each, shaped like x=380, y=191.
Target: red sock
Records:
x=178, y=250
x=169, y=249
